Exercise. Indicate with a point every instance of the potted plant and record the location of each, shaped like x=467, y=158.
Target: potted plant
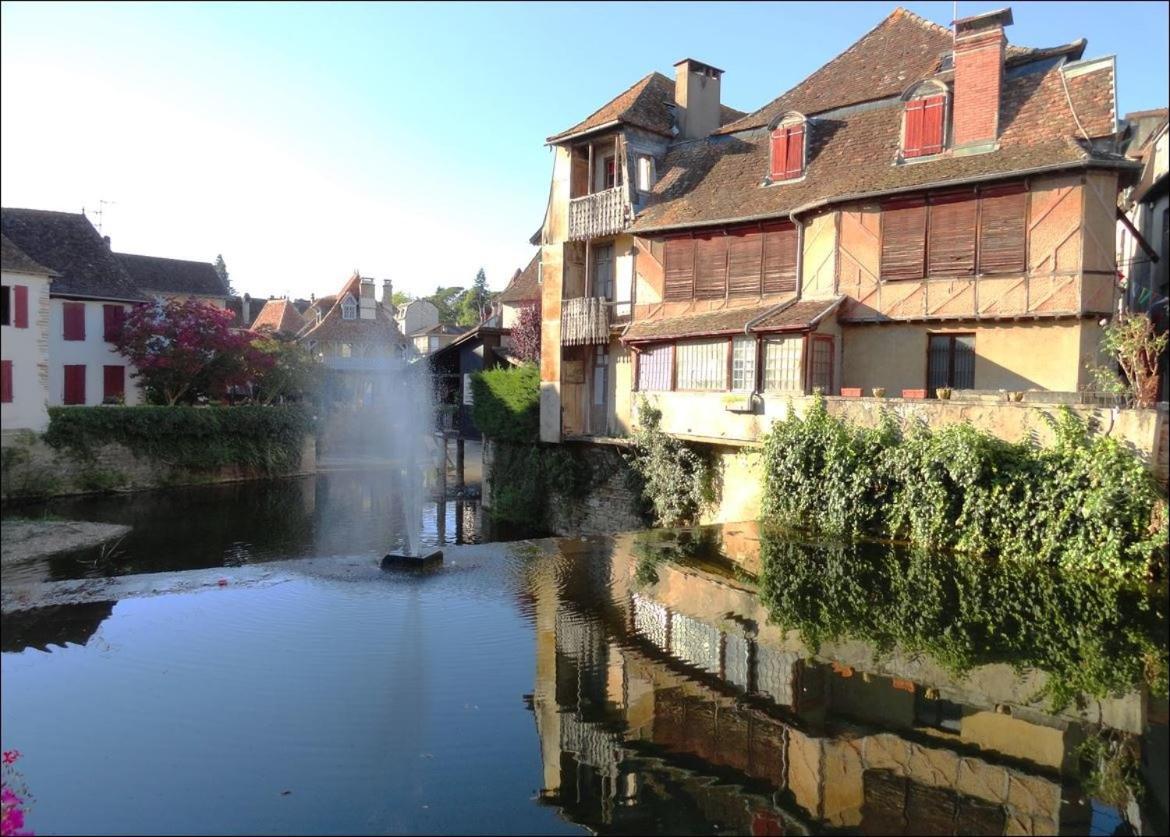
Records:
x=944, y=393
x=879, y=392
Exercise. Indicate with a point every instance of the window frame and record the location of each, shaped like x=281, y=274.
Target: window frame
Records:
x=349, y=308
x=951, y=337
x=750, y=363
x=645, y=176
x=6, y=305
x=780, y=338
x=66, y=308
x=723, y=367
x=924, y=93
x=813, y=341
x=782, y=131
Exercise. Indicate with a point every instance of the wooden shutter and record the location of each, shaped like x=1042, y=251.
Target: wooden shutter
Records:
x=113, y=381
x=679, y=269
x=744, y=251
x=112, y=318
x=711, y=267
x=779, y=153
x=780, y=261
x=951, y=249
x=6, y=381
x=912, y=143
x=903, y=239
x=933, y=110
x=20, y=304
x=1002, y=230
x=794, y=159
x=75, y=384
x=74, y=320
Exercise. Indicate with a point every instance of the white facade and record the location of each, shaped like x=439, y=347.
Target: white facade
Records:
x=94, y=353
x=416, y=315
x=27, y=349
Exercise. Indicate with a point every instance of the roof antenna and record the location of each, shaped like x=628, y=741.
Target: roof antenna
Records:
x=102, y=204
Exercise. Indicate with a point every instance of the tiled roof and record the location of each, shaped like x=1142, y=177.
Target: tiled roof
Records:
x=12, y=258
x=852, y=153
x=524, y=286
x=646, y=104
x=173, y=276
x=441, y=328
x=278, y=315
x=793, y=315
x=68, y=244
x=333, y=327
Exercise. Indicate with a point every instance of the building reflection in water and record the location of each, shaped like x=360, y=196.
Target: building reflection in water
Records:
x=668, y=705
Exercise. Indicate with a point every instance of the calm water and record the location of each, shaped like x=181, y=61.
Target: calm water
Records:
x=539, y=687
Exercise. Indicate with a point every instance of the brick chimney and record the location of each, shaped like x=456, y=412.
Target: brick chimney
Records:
x=696, y=98
x=367, y=311
x=388, y=296
x=979, y=53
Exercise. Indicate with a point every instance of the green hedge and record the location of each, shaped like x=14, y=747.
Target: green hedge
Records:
x=507, y=403
x=267, y=439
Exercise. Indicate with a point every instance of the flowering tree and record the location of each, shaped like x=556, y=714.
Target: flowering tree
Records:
x=14, y=798
x=526, y=334
x=183, y=349
x=288, y=369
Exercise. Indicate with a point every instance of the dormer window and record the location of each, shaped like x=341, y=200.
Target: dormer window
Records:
x=348, y=308
x=789, y=141
x=924, y=120
x=645, y=172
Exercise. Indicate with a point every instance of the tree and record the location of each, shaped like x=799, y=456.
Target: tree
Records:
x=1133, y=343
x=474, y=304
x=447, y=300
x=291, y=373
x=184, y=349
x=400, y=298
x=222, y=271
x=526, y=334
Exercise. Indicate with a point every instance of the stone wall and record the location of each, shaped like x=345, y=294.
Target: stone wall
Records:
x=32, y=468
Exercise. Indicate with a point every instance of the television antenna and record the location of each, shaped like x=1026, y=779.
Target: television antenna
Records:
x=102, y=204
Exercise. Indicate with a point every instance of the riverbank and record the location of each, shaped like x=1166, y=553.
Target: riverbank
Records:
x=25, y=540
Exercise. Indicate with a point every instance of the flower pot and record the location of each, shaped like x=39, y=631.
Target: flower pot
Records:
x=879, y=392
x=914, y=393
x=850, y=392
x=944, y=393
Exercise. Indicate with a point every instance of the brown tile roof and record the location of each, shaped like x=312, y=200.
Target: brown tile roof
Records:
x=279, y=315
x=524, y=286
x=333, y=327
x=646, y=104
x=792, y=315
x=12, y=258
x=67, y=243
x=1092, y=96
x=173, y=276
x=852, y=153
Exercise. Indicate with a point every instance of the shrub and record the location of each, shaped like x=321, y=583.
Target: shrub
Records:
x=525, y=478
x=674, y=478
x=507, y=403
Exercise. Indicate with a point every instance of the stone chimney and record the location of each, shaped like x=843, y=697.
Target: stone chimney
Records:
x=366, y=311
x=388, y=296
x=696, y=98
x=246, y=310
x=979, y=54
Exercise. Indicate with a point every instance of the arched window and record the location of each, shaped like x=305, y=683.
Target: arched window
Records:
x=348, y=308
x=924, y=120
x=789, y=142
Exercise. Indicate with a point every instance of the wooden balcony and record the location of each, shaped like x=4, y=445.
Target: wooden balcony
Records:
x=584, y=321
x=602, y=213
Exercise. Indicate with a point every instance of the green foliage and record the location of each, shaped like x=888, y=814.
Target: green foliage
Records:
x=290, y=373
x=507, y=403
x=222, y=272
x=675, y=479
x=101, y=479
x=20, y=481
x=1110, y=768
x=400, y=298
x=525, y=478
x=446, y=300
x=1092, y=635
x=266, y=439
x=1083, y=503
x=474, y=301
x=1134, y=345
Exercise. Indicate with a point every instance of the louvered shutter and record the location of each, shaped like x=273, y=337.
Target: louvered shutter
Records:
x=20, y=304
x=951, y=250
x=903, y=240
x=780, y=261
x=912, y=145
x=1002, y=230
x=112, y=319
x=933, y=110
x=75, y=384
x=6, y=381
x=680, y=269
x=113, y=381
x=711, y=267
x=794, y=159
x=743, y=262
x=74, y=320
x=779, y=153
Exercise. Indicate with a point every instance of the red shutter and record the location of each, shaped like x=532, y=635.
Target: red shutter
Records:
x=951, y=249
x=932, y=124
x=912, y=145
x=112, y=318
x=903, y=239
x=74, y=314
x=794, y=166
x=1002, y=230
x=6, y=381
x=711, y=267
x=779, y=153
x=743, y=263
x=679, y=258
x=113, y=382
x=780, y=261
x=20, y=303
x=75, y=384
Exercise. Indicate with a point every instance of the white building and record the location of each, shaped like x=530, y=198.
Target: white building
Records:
x=416, y=315
x=24, y=340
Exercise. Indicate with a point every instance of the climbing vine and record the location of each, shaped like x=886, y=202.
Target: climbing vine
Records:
x=674, y=479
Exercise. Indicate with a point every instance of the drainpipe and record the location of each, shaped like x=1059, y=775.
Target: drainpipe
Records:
x=799, y=278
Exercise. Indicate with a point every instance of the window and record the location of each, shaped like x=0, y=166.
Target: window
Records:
x=1002, y=230
x=788, y=146
x=679, y=267
x=922, y=131
x=950, y=362
x=738, y=264
x=821, y=373
x=654, y=368
x=645, y=172
x=780, y=260
x=20, y=306
x=5, y=314
x=75, y=384
x=951, y=245
x=6, y=380
x=782, y=364
x=609, y=172
x=73, y=314
x=702, y=365
x=602, y=274
x=903, y=239
x=346, y=350
x=113, y=316
x=743, y=364
x=711, y=267
x=348, y=309
x=113, y=383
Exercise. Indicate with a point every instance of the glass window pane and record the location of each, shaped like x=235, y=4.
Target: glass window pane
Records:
x=782, y=358
x=702, y=365
x=964, y=362
x=654, y=368
x=743, y=364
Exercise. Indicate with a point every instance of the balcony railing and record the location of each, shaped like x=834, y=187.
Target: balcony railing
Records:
x=602, y=213
x=584, y=321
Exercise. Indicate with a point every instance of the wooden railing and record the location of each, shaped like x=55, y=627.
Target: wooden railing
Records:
x=584, y=321
x=602, y=213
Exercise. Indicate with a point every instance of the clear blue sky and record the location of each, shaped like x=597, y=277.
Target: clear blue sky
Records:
x=406, y=140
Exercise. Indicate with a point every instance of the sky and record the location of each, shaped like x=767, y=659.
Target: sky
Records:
x=304, y=141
